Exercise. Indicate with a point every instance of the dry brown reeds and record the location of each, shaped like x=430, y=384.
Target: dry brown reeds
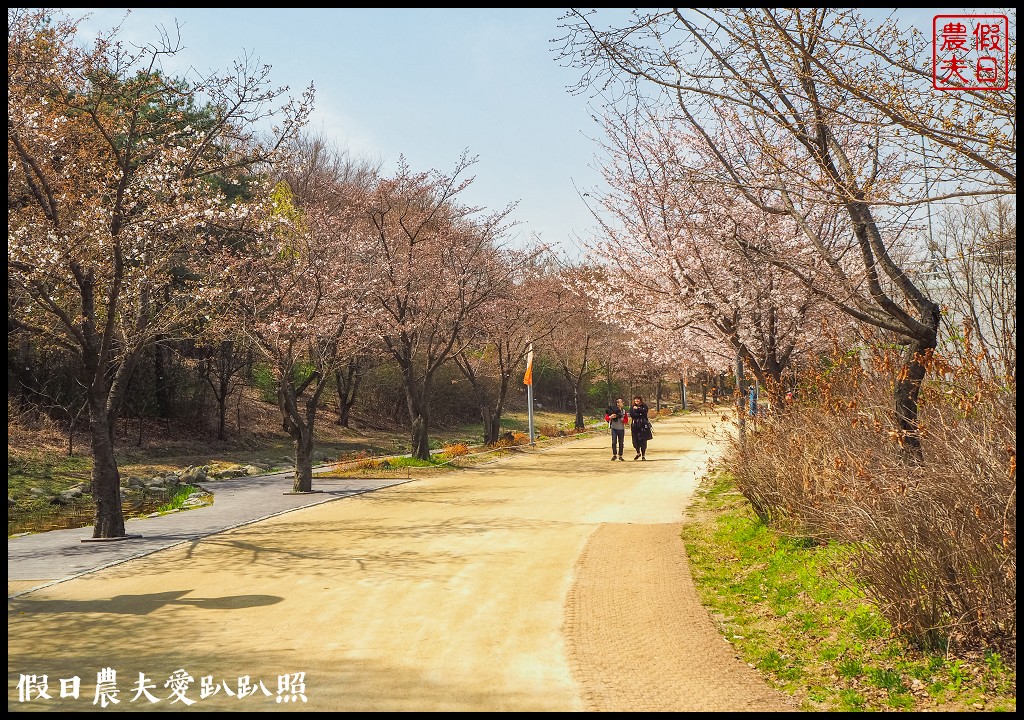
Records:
x=935, y=533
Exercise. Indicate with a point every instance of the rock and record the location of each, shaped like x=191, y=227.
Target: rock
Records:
x=192, y=475
x=227, y=473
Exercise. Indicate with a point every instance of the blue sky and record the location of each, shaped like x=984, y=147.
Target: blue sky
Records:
x=428, y=83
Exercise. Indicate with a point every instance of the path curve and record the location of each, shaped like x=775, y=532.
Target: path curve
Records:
x=548, y=581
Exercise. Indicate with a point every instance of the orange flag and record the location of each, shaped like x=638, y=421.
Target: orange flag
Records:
x=528, y=377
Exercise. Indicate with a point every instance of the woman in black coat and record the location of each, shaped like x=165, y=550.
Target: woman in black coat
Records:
x=640, y=427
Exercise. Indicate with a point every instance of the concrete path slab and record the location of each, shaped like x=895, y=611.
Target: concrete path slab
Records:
x=41, y=559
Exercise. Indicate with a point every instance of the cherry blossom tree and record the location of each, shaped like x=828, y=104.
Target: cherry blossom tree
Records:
x=614, y=358
x=967, y=137
x=435, y=263
x=682, y=247
x=299, y=298
x=119, y=186
x=791, y=142
x=575, y=345
x=507, y=326
x=317, y=163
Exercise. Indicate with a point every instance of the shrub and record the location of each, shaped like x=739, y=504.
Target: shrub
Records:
x=454, y=451
x=548, y=430
x=511, y=439
x=936, y=534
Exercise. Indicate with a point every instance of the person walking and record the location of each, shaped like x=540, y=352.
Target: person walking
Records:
x=617, y=418
x=640, y=427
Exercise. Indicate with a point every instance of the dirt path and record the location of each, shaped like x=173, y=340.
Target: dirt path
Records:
x=553, y=581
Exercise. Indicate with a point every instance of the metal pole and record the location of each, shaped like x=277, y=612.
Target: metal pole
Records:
x=740, y=401
x=529, y=402
x=528, y=379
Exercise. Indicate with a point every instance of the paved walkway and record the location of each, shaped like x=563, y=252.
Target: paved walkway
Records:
x=545, y=581
x=41, y=559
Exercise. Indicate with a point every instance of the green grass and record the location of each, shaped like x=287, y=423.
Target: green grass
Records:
x=178, y=499
x=50, y=471
x=795, y=612
x=397, y=462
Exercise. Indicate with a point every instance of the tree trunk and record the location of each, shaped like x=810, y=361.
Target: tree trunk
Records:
x=907, y=390
x=922, y=331
x=225, y=370
x=24, y=374
x=499, y=407
x=106, y=480
x=580, y=424
x=303, y=435
x=417, y=400
x=495, y=425
x=105, y=401
x=347, y=385
x=420, y=439
x=301, y=424
x=490, y=430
